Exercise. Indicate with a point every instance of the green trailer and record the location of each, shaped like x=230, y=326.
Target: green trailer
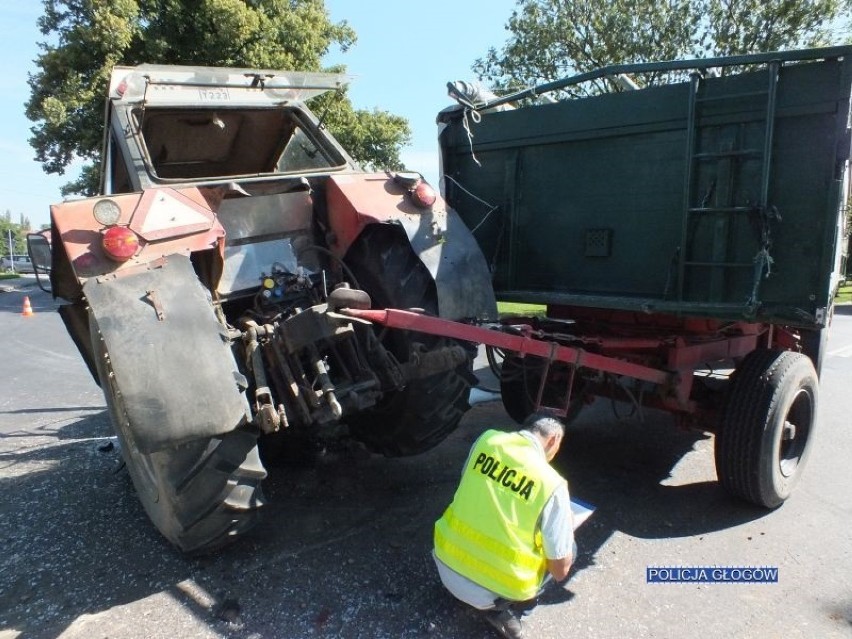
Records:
x=690, y=228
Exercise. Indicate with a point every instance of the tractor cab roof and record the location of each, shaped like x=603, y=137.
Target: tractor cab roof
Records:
x=175, y=85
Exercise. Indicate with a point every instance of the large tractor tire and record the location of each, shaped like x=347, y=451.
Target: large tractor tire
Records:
x=201, y=495
x=767, y=426
x=427, y=410
x=519, y=382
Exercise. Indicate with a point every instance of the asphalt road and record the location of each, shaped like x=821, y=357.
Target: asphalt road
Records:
x=344, y=549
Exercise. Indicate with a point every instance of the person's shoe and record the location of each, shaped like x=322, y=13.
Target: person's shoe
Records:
x=506, y=623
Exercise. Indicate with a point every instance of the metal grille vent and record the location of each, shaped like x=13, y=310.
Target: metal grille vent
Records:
x=598, y=242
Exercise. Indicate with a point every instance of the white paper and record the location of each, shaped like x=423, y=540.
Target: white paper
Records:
x=581, y=511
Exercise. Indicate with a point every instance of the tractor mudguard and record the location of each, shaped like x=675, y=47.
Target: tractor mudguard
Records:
x=169, y=354
x=437, y=235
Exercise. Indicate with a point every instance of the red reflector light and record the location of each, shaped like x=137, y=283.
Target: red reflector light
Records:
x=120, y=243
x=423, y=195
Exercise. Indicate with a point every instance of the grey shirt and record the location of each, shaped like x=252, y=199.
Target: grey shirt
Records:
x=557, y=536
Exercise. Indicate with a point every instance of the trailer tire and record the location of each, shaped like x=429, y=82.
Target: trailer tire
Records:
x=766, y=427
x=418, y=417
x=201, y=495
x=519, y=380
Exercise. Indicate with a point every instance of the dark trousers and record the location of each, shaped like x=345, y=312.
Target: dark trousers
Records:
x=521, y=608
x=525, y=607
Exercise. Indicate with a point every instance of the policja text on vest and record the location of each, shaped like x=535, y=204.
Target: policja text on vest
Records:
x=502, y=474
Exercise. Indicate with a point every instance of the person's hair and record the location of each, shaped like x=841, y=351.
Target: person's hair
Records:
x=544, y=424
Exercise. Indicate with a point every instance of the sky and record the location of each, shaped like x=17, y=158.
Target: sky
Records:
x=407, y=50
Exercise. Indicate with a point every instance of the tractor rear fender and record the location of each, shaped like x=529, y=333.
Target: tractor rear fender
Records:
x=170, y=355
x=165, y=222
x=436, y=233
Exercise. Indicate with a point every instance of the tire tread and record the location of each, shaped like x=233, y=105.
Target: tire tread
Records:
x=420, y=416
x=756, y=388
x=208, y=492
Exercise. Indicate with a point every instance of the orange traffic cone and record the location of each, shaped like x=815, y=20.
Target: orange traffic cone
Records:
x=28, y=308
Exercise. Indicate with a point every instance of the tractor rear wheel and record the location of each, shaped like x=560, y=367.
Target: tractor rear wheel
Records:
x=201, y=495
x=421, y=415
x=767, y=426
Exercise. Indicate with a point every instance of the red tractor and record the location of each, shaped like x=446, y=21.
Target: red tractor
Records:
x=204, y=286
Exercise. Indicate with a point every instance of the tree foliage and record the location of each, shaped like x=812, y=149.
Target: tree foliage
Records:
x=552, y=39
x=18, y=234
x=87, y=38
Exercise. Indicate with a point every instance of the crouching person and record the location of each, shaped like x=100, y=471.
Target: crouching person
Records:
x=509, y=529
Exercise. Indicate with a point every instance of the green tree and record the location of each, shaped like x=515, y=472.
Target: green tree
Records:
x=87, y=38
x=552, y=39
x=18, y=234
x=751, y=26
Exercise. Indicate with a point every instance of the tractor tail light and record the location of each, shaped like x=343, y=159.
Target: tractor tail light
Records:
x=120, y=243
x=423, y=195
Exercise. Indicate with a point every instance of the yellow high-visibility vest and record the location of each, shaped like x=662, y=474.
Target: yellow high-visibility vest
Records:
x=489, y=532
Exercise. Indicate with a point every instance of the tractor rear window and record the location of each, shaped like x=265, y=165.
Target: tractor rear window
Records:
x=188, y=144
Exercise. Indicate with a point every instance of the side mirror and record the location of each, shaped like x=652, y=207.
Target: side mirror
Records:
x=38, y=248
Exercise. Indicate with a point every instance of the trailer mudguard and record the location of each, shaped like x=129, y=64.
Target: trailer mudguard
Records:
x=169, y=354
x=437, y=235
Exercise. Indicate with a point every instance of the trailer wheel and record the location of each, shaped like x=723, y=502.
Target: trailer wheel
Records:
x=767, y=426
x=427, y=410
x=201, y=495
x=519, y=381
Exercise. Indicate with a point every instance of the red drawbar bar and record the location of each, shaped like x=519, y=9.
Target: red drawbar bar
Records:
x=521, y=344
